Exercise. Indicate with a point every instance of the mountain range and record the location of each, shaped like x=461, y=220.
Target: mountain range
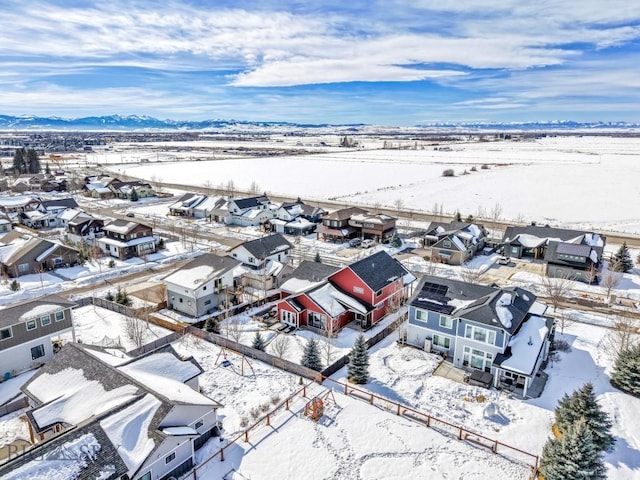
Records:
x=136, y=122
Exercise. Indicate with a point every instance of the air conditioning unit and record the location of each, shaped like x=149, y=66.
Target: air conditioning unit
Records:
x=427, y=344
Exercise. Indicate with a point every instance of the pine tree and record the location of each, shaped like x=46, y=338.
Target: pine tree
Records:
x=575, y=456
x=358, y=369
x=258, y=342
x=19, y=165
x=212, y=325
x=457, y=217
x=311, y=356
x=626, y=371
x=133, y=196
x=32, y=161
x=47, y=170
x=622, y=261
x=317, y=258
x=582, y=404
x=469, y=219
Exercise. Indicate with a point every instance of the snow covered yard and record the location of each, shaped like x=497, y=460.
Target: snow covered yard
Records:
x=354, y=440
x=404, y=374
x=95, y=326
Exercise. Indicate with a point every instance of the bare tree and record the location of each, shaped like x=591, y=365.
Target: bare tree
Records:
x=156, y=181
x=495, y=214
x=398, y=203
x=232, y=329
x=254, y=187
x=556, y=289
x=280, y=345
x=624, y=335
x=328, y=351
x=481, y=212
x=137, y=330
x=564, y=320
x=230, y=187
x=611, y=281
x=470, y=274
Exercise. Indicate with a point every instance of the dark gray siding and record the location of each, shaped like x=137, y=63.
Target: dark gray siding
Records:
x=22, y=335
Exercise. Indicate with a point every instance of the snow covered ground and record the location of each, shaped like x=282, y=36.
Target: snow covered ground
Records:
x=561, y=180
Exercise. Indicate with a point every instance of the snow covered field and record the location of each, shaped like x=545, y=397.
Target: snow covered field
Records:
x=581, y=181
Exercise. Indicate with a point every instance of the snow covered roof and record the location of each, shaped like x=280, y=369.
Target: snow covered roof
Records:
x=200, y=270
x=27, y=309
x=299, y=285
x=17, y=200
x=263, y=247
x=120, y=226
x=526, y=346
x=334, y=302
x=129, y=243
x=165, y=364
x=179, y=431
x=128, y=429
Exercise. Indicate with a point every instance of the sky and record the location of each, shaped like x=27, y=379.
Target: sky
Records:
x=391, y=62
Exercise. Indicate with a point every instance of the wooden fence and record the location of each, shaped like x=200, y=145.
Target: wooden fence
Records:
x=13, y=406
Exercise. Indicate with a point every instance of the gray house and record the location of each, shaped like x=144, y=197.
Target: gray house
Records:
x=27, y=331
x=200, y=286
x=498, y=330
x=138, y=419
x=455, y=242
x=533, y=240
x=38, y=255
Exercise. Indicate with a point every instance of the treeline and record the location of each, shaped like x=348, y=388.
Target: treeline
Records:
x=26, y=161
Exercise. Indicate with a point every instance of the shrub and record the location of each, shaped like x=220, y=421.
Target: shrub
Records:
x=474, y=169
x=14, y=286
x=112, y=263
x=484, y=166
x=448, y=173
x=275, y=399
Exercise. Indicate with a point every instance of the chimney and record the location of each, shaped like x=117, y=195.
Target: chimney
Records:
x=530, y=341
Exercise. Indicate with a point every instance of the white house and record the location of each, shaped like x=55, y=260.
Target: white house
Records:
x=201, y=285
x=140, y=418
x=250, y=211
x=257, y=253
x=28, y=330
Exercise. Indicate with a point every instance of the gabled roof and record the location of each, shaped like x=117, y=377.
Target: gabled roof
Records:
x=378, y=270
x=555, y=249
x=60, y=202
x=36, y=246
x=344, y=213
x=546, y=234
x=264, y=247
x=306, y=276
x=504, y=308
x=200, y=270
x=250, y=202
x=121, y=226
x=19, y=311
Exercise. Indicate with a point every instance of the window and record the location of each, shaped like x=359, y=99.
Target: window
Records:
x=59, y=316
x=198, y=424
x=146, y=476
x=359, y=290
x=46, y=320
x=514, y=250
x=442, y=342
x=181, y=300
x=31, y=325
x=5, y=333
x=477, y=359
x=480, y=334
x=23, y=268
x=446, y=322
x=207, y=302
x=378, y=293
x=446, y=244
x=380, y=305
x=421, y=315
x=251, y=259
x=37, y=352
x=316, y=320
x=170, y=458
x=204, y=288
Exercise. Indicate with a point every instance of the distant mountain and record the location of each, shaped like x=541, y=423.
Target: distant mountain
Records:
x=142, y=123
x=135, y=122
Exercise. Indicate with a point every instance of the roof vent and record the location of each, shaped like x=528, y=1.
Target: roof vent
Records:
x=530, y=342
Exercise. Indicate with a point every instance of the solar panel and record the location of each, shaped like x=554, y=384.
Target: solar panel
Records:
x=435, y=288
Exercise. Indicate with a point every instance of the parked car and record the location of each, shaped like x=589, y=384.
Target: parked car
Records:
x=367, y=243
x=504, y=260
x=355, y=242
x=130, y=214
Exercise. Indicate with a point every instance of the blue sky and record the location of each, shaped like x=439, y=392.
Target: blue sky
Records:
x=392, y=62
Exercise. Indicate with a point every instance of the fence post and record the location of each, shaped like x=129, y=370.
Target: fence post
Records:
x=429, y=421
x=460, y=434
x=268, y=421
x=246, y=436
x=222, y=454
x=398, y=409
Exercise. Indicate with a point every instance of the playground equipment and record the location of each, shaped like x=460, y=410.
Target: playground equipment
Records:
x=314, y=409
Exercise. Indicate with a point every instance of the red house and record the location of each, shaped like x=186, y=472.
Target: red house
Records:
x=365, y=291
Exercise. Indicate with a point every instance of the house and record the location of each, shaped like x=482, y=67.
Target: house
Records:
x=124, y=239
x=137, y=418
x=98, y=187
x=201, y=285
x=5, y=224
x=37, y=255
x=28, y=329
x=573, y=261
x=335, y=226
x=252, y=211
x=257, y=253
x=533, y=240
x=124, y=190
x=378, y=226
x=183, y=207
x=498, y=330
x=13, y=205
x=365, y=291
x=82, y=227
x=307, y=275
x=455, y=242
x=296, y=218
x=49, y=214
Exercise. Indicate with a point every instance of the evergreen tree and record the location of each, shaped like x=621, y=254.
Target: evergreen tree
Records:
x=133, y=196
x=626, y=371
x=19, y=165
x=32, y=161
x=396, y=241
x=258, y=342
x=311, y=356
x=575, y=456
x=212, y=325
x=582, y=404
x=457, y=217
x=469, y=219
x=622, y=261
x=109, y=296
x=358, y=369
x=317, y=258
